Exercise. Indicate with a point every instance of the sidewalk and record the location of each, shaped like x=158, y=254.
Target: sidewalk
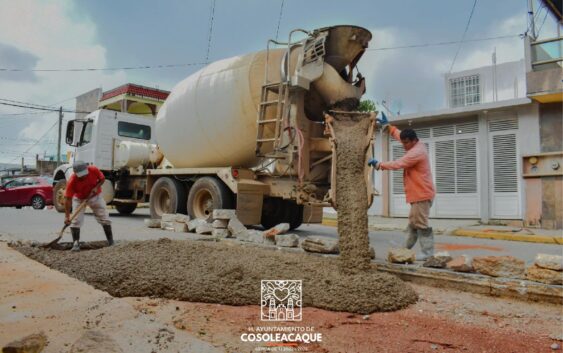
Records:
x=464, y=228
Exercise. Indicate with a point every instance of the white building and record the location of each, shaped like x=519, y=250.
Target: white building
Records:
x=480, y=147
x=487, y=84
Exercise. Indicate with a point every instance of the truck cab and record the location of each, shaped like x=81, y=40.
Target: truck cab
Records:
x=119, y=144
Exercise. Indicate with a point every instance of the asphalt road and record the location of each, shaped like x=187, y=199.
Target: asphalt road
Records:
x=44, y=225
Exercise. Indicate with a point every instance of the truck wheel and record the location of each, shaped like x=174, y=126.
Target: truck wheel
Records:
x=207, y=194
x=167, y=196
x=295, y=215
x=125, y=208
x=59, y=195
x=274, y=212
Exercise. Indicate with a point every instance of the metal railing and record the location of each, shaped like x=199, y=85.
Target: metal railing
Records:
x=547, y=53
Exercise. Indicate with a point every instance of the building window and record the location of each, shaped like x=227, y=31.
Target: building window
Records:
x=465, y=91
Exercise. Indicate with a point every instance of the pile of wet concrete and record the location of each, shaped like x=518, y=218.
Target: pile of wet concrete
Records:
x=218, y=272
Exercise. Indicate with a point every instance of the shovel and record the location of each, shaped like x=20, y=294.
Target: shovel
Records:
x=72, y=216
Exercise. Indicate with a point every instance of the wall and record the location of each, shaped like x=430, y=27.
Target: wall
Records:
x=88, y=102
x=551, y=133
x=511, y=81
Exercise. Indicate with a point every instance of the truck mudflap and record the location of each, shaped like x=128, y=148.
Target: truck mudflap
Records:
x=250, y=197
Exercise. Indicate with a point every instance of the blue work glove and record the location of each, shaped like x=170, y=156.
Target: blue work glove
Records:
x=383, y=121
x=373, y=163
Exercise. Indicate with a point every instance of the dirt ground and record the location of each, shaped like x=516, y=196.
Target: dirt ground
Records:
x=442, y=321
x=224, y=273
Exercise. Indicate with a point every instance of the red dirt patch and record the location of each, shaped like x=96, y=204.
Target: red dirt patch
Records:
x=442, y=321
x=458, y=247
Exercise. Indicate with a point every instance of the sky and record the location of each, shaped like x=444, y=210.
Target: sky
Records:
x=70, y=34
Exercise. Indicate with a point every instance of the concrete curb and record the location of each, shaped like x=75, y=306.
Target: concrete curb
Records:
x=476, y=283
x=508, y=236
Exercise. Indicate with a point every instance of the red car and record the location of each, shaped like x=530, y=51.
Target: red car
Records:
x=36, y=192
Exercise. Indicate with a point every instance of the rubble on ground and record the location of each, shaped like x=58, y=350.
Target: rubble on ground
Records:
x=550, y=262
x=401, y=256
x=320, y=244
x=152, y=222
x=287, y=240
x=461, y=263
x=499, y=266
x=439, y=260
x=543, y=275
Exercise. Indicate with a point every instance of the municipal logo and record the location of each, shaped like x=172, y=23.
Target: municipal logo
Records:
x=281, y=300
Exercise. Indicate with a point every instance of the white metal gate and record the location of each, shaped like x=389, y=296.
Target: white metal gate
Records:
x=454, y=161
x=504, y=166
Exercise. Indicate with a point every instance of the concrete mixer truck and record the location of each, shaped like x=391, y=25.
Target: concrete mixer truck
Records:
x=245, y=133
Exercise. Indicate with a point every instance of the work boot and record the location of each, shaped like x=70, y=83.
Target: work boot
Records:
x=426, y=244
x=75, y=239
x=411, y=238
x=109, y=234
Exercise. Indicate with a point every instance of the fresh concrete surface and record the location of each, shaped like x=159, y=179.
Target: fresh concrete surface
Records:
x=35, y=298
x=43, y=226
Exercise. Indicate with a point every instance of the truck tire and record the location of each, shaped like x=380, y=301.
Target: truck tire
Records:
x=125, y=208
x=167, y=196
x=274, y=212
x=59, y=195
x=295, y=215
x=207, y=194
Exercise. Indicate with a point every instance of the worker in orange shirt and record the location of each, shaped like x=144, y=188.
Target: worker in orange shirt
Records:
x=84, y=184
x=419, y=188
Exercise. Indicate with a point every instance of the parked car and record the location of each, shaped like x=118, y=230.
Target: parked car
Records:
x=36, y=192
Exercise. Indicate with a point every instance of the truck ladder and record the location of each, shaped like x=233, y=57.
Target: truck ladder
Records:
x=268, y=102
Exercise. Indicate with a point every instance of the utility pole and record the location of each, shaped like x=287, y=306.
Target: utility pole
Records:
x=59, y=139
x=531, y=19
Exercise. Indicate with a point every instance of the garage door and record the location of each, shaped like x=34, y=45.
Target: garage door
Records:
x=454, y=162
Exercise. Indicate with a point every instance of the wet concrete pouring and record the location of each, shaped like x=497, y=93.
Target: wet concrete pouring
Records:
x=351, y=136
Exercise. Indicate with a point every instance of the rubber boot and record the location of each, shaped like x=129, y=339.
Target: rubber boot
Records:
x=109, y=234
x=75, y=239
x=411, y=238
x=426, y=244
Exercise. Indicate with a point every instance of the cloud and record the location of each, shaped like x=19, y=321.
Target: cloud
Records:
x=12, y=57
x=404, y=78
x=48, y=34
x=412, y=80
x=479, y=54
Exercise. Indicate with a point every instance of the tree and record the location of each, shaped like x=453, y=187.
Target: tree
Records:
x=367, y=105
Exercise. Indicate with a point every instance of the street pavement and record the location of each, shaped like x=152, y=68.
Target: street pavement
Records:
x=44, y=225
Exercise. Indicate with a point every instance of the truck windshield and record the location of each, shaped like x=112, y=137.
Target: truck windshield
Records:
x=87, y=134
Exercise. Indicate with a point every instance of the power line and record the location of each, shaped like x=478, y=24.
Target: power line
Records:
x=279, y=19
x=39, y=139
x=44, y=109
x=443, y=43
x=463, y=36
x=541, y=26
x=144, y=67
x=8, y=115
x=210, y=31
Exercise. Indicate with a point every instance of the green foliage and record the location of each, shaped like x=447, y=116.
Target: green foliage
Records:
x=367, y=105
